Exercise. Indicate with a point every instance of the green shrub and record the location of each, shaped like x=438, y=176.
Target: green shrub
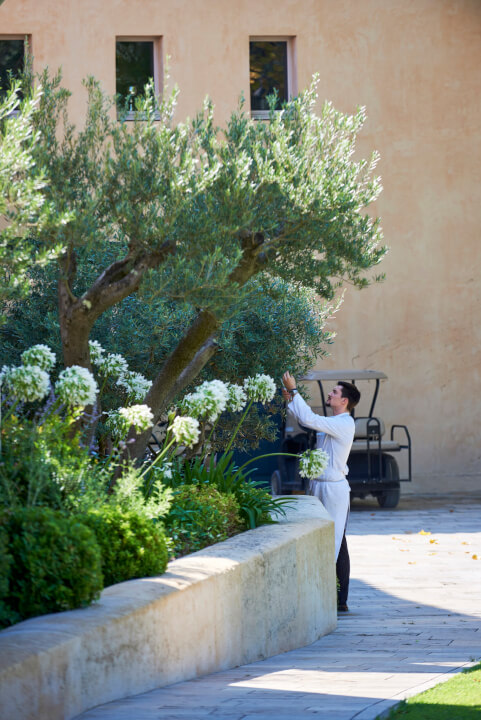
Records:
x=256, y=505
x=6, y=615
x=55, y=563
x=199, y=516
x=131, y=545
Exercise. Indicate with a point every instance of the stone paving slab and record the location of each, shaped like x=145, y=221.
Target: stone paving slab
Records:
x=415, y=619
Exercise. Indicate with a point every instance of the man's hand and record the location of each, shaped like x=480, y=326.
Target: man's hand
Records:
x=289, y=381
x=286, y=395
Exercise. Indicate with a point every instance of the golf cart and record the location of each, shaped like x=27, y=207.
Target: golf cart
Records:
x=373, y=469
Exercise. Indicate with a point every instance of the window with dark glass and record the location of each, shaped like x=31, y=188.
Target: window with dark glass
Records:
x=268, y=72
x=12, y=62
x=134, y=69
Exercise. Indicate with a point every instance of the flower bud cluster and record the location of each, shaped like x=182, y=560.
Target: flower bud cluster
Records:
x=76, y=387
x=135, y=385
x=260, y=388
x=208, y=401
x=185, y=430
x=237, y=398
x=26, y=384
x=312, y=463
x=120, y=421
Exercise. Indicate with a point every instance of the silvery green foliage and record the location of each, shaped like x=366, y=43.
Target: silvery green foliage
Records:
x=128, y=494
x=260, y=388
x=39, y=355
x=135, y=385
x=96, y=352
x=23, y=201
x=76, y=387
x=185, y=430
x=312, y=463
x=207, y=401
x=112, y=365
x=120, y=421
x=26, y=383
x=237, y=398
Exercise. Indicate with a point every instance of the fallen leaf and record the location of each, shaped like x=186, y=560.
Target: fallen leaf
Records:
x=451, y=511
x=433, y=542
x=474, y=557
x=464, y=543
x=433, y=553
x=411, y=562
x=424, y=532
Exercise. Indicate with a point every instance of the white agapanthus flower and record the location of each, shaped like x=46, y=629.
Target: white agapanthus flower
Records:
x=140, y=416
x=76, y=387
x=120, y=421
x=113, y=364
x=185, y=430
x=26, y=384
x=208, y=401
x=237, y=398
x=39, y=355
x=135, y=385
x=96, y=352
x=312, y=463
x=260, y=388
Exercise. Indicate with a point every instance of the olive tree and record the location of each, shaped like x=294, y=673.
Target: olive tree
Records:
x=194, y=214
x=24, y=207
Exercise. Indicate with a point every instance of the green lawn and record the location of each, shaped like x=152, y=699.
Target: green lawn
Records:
x=456, y=699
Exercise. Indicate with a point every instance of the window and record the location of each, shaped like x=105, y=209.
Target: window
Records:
x=12, y=60
x=271, y=68
x=137, y=62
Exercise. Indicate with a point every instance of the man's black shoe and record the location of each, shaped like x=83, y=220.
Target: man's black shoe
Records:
x=342, y=608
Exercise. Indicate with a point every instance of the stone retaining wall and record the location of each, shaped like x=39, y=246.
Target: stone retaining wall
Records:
x=258, y=594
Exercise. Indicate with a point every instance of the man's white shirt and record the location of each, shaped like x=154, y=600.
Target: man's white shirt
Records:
x=334, y=435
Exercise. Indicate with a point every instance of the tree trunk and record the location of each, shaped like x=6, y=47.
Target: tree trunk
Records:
x=186, y=361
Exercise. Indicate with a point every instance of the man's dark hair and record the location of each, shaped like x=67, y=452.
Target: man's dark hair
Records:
x=350, y=392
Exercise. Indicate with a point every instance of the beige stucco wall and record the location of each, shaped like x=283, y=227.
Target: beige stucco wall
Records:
x=415, y=65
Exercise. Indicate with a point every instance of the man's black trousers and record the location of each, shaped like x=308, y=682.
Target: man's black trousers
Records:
x=343, y=569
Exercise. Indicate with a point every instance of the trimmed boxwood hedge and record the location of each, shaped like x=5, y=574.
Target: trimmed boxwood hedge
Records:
x=131, y=545
x=55, y=563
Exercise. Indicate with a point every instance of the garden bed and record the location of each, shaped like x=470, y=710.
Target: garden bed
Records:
x=258, y=594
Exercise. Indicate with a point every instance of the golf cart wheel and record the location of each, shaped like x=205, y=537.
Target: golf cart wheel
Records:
x=276, y=483
x=389, y=498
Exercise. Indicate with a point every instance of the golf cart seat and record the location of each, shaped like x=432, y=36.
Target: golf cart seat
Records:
x=368, y=435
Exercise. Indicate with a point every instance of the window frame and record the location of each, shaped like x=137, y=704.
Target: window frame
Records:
x=27, y=52
x=290, y=41
x=157, y=63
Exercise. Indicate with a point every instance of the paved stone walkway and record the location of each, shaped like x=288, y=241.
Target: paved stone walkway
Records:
x=415, y=619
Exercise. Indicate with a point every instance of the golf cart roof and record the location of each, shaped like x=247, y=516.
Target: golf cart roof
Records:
x=345, y=375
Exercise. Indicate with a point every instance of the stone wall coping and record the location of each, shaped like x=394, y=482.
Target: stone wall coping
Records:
x=262, y=592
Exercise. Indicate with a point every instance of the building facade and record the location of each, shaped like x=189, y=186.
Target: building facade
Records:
x=415, y=65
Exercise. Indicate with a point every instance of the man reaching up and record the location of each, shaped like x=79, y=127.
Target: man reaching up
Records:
x=334, y=435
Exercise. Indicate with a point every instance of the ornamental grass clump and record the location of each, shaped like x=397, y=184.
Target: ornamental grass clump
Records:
x=200, y=515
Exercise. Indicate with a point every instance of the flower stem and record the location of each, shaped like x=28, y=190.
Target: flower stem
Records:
x=238, y=427
x=159, y=457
